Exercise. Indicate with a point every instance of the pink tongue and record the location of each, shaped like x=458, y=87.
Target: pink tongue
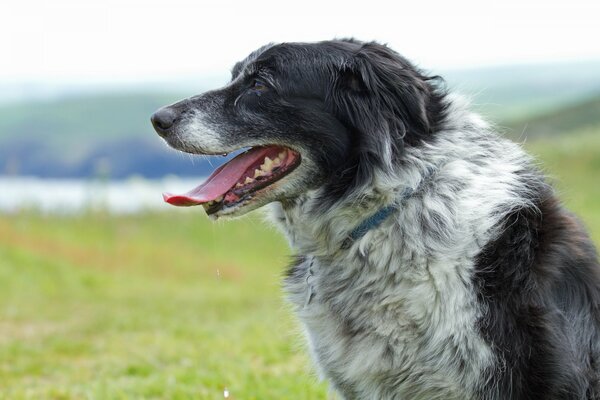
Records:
x=220, y=181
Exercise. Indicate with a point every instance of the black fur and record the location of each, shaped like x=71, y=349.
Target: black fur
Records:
x=539, y=283
x=381, y=98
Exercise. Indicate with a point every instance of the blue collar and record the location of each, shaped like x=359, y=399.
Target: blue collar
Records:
x=381, y=215
x=371, y=223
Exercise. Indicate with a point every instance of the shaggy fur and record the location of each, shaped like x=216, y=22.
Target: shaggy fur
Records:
x=479, y=286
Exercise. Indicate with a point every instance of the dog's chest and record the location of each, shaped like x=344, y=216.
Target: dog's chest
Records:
x=381, y=329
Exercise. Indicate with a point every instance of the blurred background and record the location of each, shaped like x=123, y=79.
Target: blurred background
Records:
x=106, y=292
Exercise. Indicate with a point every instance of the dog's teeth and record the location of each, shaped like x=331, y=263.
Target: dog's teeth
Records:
x=238, y=185
x=268, y=164
x=218, y=199
x=248, y=180
x=257, y=173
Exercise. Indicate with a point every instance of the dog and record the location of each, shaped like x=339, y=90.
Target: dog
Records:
x=433, y=261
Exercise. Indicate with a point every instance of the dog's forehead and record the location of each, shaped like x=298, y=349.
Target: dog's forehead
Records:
x=249, y=60
x=286, y=55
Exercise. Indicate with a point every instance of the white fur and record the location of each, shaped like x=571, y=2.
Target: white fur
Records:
x=201, y=135
x=394, y=316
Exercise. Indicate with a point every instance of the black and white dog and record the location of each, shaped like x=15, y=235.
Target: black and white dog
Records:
x=434, y=262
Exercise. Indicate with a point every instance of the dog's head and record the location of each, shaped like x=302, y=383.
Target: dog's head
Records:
x=330, y=114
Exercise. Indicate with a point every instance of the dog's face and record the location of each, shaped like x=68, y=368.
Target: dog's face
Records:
x=311, y=115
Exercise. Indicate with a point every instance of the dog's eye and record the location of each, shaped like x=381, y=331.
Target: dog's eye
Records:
x=258, y=86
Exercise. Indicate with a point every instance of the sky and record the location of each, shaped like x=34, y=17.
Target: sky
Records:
x=113, y=41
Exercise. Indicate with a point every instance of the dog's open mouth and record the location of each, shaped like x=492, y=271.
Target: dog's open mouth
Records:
x=239, y=179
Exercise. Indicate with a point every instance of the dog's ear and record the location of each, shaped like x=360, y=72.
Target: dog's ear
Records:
x=384, y=101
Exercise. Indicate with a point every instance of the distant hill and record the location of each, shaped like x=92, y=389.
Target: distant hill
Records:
x=97, y=117
x=505, y=93
x=108, y=134
x=86, y=134
x=576, y=117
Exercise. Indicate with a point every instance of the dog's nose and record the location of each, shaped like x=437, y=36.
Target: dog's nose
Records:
x=163, y=120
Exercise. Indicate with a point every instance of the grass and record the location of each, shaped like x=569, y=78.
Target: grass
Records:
x=572, y=163
x=154, y=306
x=171, y=306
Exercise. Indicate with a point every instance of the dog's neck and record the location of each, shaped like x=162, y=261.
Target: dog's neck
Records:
x=450, y=208
x=311, y=231
x=329, y=232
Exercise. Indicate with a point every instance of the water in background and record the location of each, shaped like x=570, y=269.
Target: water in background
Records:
x=70, y=196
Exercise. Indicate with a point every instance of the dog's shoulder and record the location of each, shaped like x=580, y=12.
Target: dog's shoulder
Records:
x=539, y=281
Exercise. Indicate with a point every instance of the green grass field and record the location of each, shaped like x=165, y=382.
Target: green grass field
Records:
x=572, y=164
x=155, y=306
x=171, y=306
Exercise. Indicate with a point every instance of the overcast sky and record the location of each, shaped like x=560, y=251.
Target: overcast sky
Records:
x=147, y=40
